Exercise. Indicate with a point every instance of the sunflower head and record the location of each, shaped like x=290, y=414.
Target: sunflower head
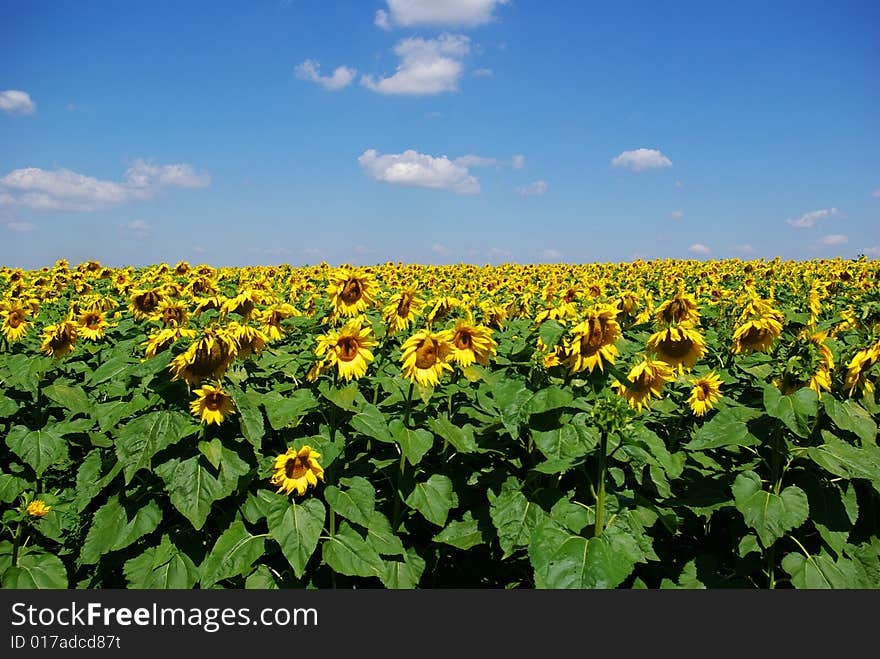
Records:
x=38, y=508
x=348, y=349
x=145, y=303
x=402, y=309
x=92, y=325
x=425, y=355
x=351, y=292
x=15, y=323
x=208, y=357
x=682, y=308
x=644, y=380
x=679, y=346
x=591, y=342
x=212, y=404
x=59, y=339
x=297, y=470
x=858, y=372
x=706, y=391
x=471, y=343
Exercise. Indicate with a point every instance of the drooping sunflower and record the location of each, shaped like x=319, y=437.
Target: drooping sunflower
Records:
x=680, y=346
x=402, y=309
x=59, y=339
x=297, y=470
x=591, y=342
x=209, y=357
x=425, y=356
x=248, y=340
x=706, y=391
x=144, y=303
x=212, y=405
x=471, y=343
x=15, y=323
x=858, y=371
x=92, y=325
x=243, y=304
x=348, y=349
x=272, y=318
x=644, y=380
x=351, y=292
x=172, y=314
x=161, y=339
x=756, y=335
x=682, y=308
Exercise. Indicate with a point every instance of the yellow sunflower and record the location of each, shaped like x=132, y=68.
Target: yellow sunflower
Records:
x=644, y=380
x=144, y=303
x=208, y=357
x=679, y=346
x=161, y=339
x=212, y=404
x=272, y=318
x=592, y=341
x=706, y=391
x=248, y=340
x=172, y=314
x=15, y=323
x=425, y=356
x=38, y=508
x=756, y=335
x=59, y=339
x=92, y=325
x=297, y=470
x=682, y=308
x=351, y=292
x=858, y=370
x=348, y=349
x=402, y=310
x=472, y=343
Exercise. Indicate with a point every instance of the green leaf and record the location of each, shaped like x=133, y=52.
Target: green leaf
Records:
x=549, y=398
x=356, y=502
x=568, y=443
x=40, y=449
x=11, y=486
x=8, y=407
x=285, y=411
x=563, y=560
x=165, y=567
x=93, y=476
x=726, y=428
x=112, y=529
x=343, y=397
x=370, y=421
x=110, y=370
x=514, y=517
x=433, y=498
x=381, y=537
x=250, y=418
x=70, y=398
x=296, y=527
x=821, y=572
x=261, y=579
x=510, y=397
x=413, y=443
x=851, y=416
x=461, y=438
x=406, y=574
x=139, y=440
x=463, y=534
x=233, y=554
x=795, y=410
x=550, y=332
x=769, y=514
x=109, y=414
x=348, y=553
x=847, y=461
x=35, y=569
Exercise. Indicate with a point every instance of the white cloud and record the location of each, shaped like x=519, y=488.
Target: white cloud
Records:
x=412, y=168
x=872, y=251
x=535, y=188
x=14, y=101
x=810, y=219
x=518, y=161
x=676, y=215
x=471, y=160
x=440, y=250
x=198, y=249
x=20, y=226
x=551, y=255
x=269, y=251
x=427, y=66
x=699, y=248
x=310, y=70
x=679, y=184
x=834, y=239
x=464, y=13
x=63, y=189
x=641, y=159
x=483, y=73
x=498, y=253
x=139, y=228
x=744, y=249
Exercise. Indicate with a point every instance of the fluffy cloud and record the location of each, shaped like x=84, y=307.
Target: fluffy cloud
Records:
x=427, y=66
x=415, y=169
x=440, y=249
x=310, y=70
x=14, y=101
x=138, y=228
x=833, y=239
x=411, y=13
x=745, y=248
x=641, y=159
x=699, y=248
x=535, y=188
x=872, y=251
x=518, y=161
x=810, y=219
x=65, y=190
x=471, y=160
x=551, y=255
x=676, y=215
x=20, y=226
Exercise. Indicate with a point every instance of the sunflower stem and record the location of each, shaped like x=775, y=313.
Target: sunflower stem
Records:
x=399, y=498
x=600, y=479
x=15, y=543
x=408, y=404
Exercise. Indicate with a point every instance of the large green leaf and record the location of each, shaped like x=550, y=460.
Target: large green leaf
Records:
x=250, y=417
x=356, y=502
x=93, y=475
x=514, y=517
x=461, y=437
x=370, y=421
x=770, y=515
x=381, y=537
x=8, y=407
x=726, y=428
x=549, y=398
x=822, y=572
x=164, y=567
x=464, y=533
x=232, y=555
x=35, y=569
x=72, y=398
x=405, y=574
x=348, y=553
x=795, y=410
x=139, y=440
x=296, y=527
x=433, y=498
x=413, y=443
x=550, y=332
x=11, y=486
x=40, y=449
x=847, y=461
x=289, y=409
x=849, y=415
x=112, y=369
x=566, y=444
x=112, y=529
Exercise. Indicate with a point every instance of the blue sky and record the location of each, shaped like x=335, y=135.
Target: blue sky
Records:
x=437, y=131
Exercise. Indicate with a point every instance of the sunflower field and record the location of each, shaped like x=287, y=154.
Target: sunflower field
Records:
x=663, y=424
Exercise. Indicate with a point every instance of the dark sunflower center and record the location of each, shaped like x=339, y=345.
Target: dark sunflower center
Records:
x=426, y=354
x=92, y=321
x=595, y=337
x=755, y=336
x=704, y=391
x=463, y=340
x=172, y=314
x=352, y=291
x=15, y=318
x=676, y=311
x=675, y=349
x=347, y=348
x=295, y=467
x=214, y=401
x=403, y=306
x=147, y=302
